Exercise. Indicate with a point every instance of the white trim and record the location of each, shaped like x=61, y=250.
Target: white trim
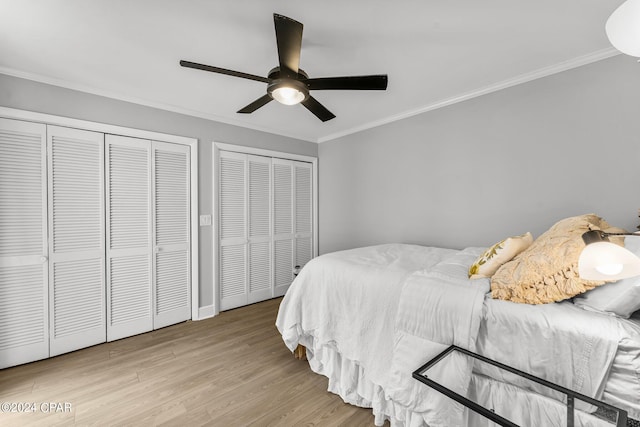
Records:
x=504, y=84
x=195, y=228
x=50, y=119
x=217, y=146
x=523, y=78
x=206, y=312
x=139, y=101
x=263, y=152
x=314, y=200
x=12, y=113
x=215, y=153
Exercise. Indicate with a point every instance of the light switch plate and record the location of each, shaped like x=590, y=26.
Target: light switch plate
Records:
x=205, y=220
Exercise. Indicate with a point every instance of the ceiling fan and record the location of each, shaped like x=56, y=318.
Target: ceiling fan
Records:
x=289, y=84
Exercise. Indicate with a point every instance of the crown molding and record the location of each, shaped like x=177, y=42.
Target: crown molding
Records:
x=139, y=101
x=523, y=78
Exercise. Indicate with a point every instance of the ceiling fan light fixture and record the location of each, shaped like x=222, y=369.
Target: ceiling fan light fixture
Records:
x=288, y=92
x=287, y=95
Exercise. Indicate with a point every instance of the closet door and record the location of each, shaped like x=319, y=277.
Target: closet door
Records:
x=76, y=239
x=24, y=329
x=259, y=280
x=303, y=213
x=293, y=220
x=245, y=229
x=283, y=225
x=232, y=229
x=129, y=237
x=171, y=259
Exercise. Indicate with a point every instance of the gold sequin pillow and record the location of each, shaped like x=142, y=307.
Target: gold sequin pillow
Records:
x=547, y=271
x=489, y=262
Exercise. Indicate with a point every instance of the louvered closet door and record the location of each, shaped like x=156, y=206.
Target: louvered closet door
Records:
x=23, y=243
x=129, y=237
x=283, y=225
x=232, y=229
x=259, y=217
x=172, y=260
x=293, y=220
x=303, y=213
x=76, y=239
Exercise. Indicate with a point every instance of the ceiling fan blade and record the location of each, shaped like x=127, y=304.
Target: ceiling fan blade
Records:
x=213, y=69
x=318, y=109
x=289, y=40
x=256, y=104
x=375, y=82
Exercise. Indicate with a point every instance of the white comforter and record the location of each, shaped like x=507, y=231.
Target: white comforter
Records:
x=370, y=316
x=411, y=315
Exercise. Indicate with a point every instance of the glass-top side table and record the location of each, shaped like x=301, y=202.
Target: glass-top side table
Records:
x=593, y=412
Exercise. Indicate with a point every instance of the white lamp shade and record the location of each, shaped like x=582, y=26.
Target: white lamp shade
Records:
x=607, y=261
x=623, y=28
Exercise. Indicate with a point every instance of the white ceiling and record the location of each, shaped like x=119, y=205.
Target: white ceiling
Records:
x=435, y=52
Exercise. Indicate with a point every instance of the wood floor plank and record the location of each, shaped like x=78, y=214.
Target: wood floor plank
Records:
x=231, y=370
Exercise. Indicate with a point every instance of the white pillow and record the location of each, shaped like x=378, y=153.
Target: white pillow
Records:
x=619, y=298
x=456, y=268
x=494, y=257
x=458, y=265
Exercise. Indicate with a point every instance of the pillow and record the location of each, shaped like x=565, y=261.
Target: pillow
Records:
x=456, y=268
x=489, y=262
x=619, y=298
x=547, y=271
x=458, y=264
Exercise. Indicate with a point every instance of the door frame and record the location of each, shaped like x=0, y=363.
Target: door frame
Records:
x=217, y=147
x=50, y=119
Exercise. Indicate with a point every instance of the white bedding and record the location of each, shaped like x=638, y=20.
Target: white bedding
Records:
x=325, y=303
x=370, y=316
x=619, y=390
x=510, y=332
x=434, y=312
x=559, y=342
x=323, y=310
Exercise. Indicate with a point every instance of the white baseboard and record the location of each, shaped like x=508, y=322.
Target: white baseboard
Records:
x=206, y=312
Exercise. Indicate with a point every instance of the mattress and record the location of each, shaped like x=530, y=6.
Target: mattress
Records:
x=525, y=408
x=509, y=331
x=618, y=390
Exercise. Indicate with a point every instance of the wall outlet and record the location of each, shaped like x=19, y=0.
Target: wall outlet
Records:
x=205, y=220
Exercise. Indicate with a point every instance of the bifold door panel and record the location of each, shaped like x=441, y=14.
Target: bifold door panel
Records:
x=24, y=283
x=76, y=239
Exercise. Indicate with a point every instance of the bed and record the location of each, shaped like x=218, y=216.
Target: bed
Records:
x=369, y=317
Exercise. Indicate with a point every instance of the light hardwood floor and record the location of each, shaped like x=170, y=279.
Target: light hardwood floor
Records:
x=230, y=370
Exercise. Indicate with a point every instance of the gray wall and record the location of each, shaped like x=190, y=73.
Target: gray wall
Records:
x=469, y=174
x=28, y=95
x=473, y=173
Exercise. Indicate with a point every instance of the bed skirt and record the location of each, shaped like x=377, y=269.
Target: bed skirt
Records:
x=349, y=380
